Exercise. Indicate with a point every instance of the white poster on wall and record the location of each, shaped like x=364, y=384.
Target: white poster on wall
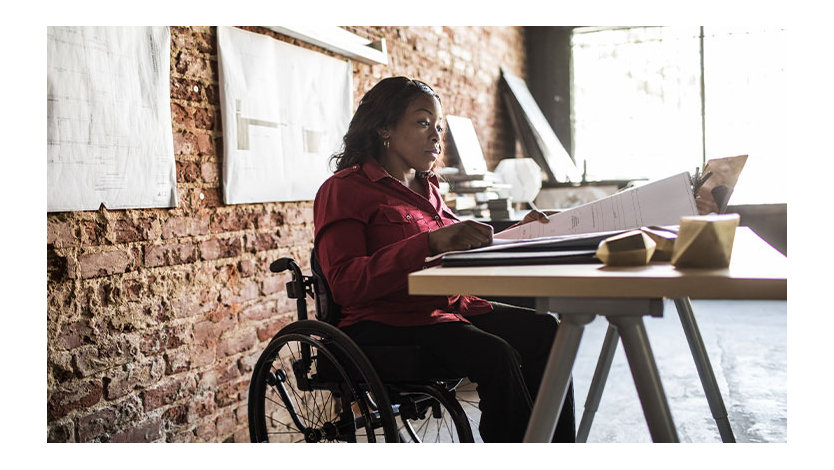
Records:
x=285, y=110
x=109, y=137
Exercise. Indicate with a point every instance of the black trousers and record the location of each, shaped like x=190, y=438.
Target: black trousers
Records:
x=504, y=352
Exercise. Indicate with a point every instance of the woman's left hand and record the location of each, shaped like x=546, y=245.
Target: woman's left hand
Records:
x=537, y=215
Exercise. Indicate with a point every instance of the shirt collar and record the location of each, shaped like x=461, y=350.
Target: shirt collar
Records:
x=375, y=172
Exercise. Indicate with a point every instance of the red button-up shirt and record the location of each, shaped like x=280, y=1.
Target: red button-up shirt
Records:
x=371, y=232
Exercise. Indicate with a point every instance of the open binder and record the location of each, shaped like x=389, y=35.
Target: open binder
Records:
x=567, y=249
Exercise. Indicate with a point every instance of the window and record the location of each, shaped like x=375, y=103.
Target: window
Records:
x=653, y=101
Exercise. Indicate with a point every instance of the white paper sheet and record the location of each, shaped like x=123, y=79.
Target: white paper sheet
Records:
x=466, y=143
x=109, y=137
x=285, y=110
x=661, y=202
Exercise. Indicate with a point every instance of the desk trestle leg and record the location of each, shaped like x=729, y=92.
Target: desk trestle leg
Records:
x=705, y=372
x=606, y=357
x=556, y=378
x=646, y=377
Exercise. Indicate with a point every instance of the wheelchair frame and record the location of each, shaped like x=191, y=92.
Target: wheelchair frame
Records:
x=313, y=383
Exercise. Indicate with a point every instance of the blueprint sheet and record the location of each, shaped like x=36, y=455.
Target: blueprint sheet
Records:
x=285, y=110
x=109, y=137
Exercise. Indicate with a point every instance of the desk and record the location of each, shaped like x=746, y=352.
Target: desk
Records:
x=623, y=295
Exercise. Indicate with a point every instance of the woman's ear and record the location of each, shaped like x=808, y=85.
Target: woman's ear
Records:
x=383, y=133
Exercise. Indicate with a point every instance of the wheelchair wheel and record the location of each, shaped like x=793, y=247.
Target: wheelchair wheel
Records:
x=467, y=395
x=312, y=384
x=429, y=413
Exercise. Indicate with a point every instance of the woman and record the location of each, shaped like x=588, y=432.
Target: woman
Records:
x=378, y=218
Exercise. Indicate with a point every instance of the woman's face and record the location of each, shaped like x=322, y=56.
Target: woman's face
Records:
x=414, y=142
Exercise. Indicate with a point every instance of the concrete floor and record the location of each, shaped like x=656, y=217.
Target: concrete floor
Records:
x=747, y=345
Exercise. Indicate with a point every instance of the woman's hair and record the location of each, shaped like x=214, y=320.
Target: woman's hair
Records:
x=381, y=107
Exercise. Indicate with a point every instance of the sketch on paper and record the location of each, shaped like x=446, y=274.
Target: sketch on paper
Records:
x=284, y=110
x=109, y=137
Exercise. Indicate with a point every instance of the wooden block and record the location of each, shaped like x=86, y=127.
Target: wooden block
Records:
x=705, y=241
x=633, y=248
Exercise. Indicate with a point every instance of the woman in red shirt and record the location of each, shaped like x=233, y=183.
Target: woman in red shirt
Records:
x=378, y=219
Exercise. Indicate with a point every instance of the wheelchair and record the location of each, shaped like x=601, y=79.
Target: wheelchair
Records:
x=313, y=383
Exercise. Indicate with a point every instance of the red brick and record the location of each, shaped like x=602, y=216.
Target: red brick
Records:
x=73, y=396
x=232, y=221
x=120, y=382
x=97, y=425
x=257, y=312
x=167, y=392
x=186, y=89
x=209, y=172
x=126, y=230
x=206, y=432
x=202, y=356
x=148, y=431
x=273, y=284
x=230, y=393
x=62, y=431
x=234, y=344
x=204, y=118
x=93, y=232
x=175, y=416
x=271, y=220
x=205, y=144
x=262, y=242
x=269, y=330
x=105, y=263
x=202, y=406
x=225, y=424
x=62, y=233
x=74, y=334
x=110, y=351
x=170, y=254
x=215, y=248
x=227, y=372
x=246, y=267
x=188, y=172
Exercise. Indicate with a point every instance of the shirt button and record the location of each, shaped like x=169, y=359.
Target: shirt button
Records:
x=437, y=218
x=408, y=217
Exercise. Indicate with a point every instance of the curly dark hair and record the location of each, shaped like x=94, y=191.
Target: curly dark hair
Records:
x=381, y=107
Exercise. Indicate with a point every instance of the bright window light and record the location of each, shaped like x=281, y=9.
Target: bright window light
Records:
x=637, y=103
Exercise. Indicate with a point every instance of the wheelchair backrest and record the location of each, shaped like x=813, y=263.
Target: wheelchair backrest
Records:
x=327, y=310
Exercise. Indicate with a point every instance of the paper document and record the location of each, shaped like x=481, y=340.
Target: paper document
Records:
x=284, y=109
x=109, y=138
x=661, y=202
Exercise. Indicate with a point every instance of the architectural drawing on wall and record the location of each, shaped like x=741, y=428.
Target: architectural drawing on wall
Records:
x=284, y=110
x=243, y=124
x=109, y=136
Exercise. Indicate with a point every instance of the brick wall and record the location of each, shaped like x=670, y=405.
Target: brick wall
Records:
x=155, y=317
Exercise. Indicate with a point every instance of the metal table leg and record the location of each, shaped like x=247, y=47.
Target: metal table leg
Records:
x=556, y=378
x=606, y=357
x=646, y=377
x=705, y=372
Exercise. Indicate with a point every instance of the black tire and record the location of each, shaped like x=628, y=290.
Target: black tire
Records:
x=313, y=384
x=429, y=413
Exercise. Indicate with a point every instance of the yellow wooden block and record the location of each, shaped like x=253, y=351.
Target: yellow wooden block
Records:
x=633, y=248
x=665, y=242
x=705, y=241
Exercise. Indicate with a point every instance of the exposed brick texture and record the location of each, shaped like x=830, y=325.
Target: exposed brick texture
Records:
x=156, y=317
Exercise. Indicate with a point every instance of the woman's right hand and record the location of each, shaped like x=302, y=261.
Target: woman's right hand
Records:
x=460, y=236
